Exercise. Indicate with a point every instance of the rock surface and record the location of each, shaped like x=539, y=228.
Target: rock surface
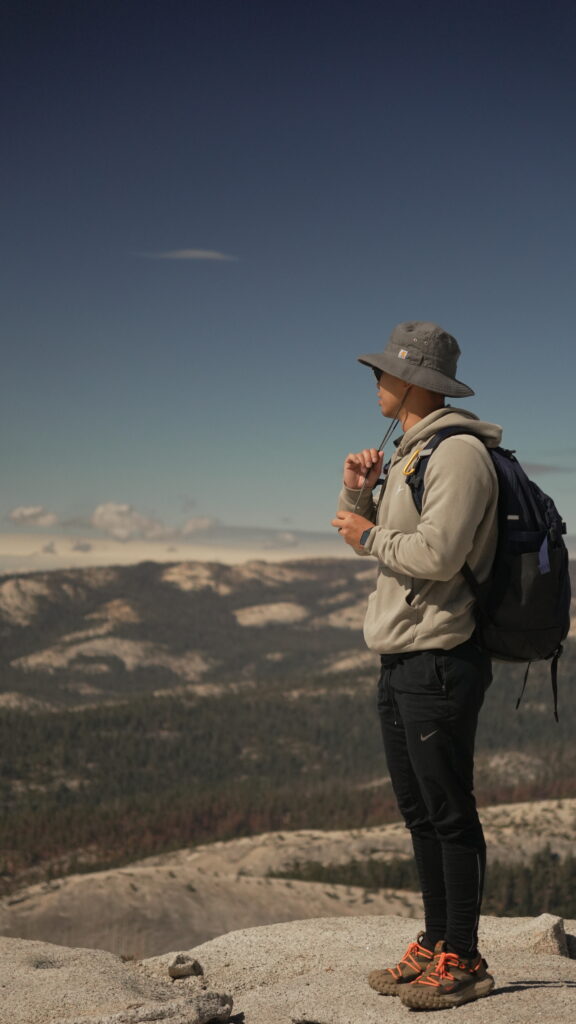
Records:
x=204, y=1009
x=302, y=972
x=314, y=972
x=45, y=984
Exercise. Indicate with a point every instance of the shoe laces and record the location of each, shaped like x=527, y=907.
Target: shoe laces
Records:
x=412, y=948
x=409, y=957
x=441, y=969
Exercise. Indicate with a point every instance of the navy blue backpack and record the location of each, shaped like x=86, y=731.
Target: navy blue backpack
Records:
x=523, y=610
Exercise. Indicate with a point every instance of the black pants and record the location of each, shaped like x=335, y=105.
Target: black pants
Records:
x=428, y=704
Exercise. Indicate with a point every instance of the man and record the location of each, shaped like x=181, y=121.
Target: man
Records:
x=420, y=619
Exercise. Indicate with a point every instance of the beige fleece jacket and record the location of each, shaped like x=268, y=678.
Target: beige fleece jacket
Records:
x=421, y=599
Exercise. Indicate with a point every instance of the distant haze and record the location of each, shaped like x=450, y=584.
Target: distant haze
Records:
x=32, y=552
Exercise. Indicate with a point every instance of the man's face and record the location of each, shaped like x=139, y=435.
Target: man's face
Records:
x=391, y=391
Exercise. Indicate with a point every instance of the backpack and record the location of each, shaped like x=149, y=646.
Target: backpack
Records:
x=523, y=609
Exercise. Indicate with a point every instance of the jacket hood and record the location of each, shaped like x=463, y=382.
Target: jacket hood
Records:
x=489, y=433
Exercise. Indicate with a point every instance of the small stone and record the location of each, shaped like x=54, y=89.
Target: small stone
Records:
x=183, y=966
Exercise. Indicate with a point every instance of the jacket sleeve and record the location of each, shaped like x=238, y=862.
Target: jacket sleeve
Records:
x=460, y=483
x=366, y=507
x=348, y=498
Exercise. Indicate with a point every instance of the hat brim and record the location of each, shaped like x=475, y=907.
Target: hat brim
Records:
x=415, y=373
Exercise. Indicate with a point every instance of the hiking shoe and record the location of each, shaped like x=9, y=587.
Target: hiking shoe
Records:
x=448, y=981
x=415, y=960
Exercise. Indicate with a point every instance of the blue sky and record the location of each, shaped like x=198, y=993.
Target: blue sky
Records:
x=319, y=171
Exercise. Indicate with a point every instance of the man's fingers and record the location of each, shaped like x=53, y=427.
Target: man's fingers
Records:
x=375, y=455
x=362, y=467
x=365, y=459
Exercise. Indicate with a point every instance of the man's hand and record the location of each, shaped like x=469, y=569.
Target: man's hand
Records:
x=351, y=527
x=362, y=467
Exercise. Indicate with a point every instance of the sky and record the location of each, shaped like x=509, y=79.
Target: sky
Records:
x=212, y=207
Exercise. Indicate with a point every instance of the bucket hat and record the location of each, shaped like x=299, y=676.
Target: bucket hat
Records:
x=423, y=354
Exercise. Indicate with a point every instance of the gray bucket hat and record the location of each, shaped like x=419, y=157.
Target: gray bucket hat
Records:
x=423, y=354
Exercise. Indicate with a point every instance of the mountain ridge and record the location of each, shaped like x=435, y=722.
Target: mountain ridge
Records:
x=194, y=894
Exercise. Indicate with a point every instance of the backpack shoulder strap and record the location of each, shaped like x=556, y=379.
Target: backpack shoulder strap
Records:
x=417, y=467
x=415, y=480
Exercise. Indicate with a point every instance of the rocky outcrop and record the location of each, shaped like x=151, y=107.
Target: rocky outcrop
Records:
x=183, y=966
x=204, y=1009
x=46, y=984
x=314, y=972
x=303, y=972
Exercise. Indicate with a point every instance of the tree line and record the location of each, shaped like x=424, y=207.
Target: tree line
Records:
x=102, y=786
x=545, y=883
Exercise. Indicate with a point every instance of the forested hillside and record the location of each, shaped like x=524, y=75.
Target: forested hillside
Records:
x=139, y=715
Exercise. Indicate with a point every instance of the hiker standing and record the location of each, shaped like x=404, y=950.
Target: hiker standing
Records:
x=434, y=673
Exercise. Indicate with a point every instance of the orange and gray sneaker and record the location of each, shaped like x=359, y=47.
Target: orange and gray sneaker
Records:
x=415, y=960
x=448, y=981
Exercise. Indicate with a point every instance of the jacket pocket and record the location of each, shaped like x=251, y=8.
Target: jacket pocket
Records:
x=440, y=671
x=418, y=591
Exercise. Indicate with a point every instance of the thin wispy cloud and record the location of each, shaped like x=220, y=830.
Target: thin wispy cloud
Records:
x=32, y=515
x=189, y=254
x=123, y=522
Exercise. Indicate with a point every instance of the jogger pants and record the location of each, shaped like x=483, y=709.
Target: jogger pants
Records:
x=428, y=703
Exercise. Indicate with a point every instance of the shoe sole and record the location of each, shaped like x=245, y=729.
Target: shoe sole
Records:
x=417, y=999
x=382, y=983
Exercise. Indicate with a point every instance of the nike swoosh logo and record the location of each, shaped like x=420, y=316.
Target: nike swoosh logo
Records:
x=428, y=735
